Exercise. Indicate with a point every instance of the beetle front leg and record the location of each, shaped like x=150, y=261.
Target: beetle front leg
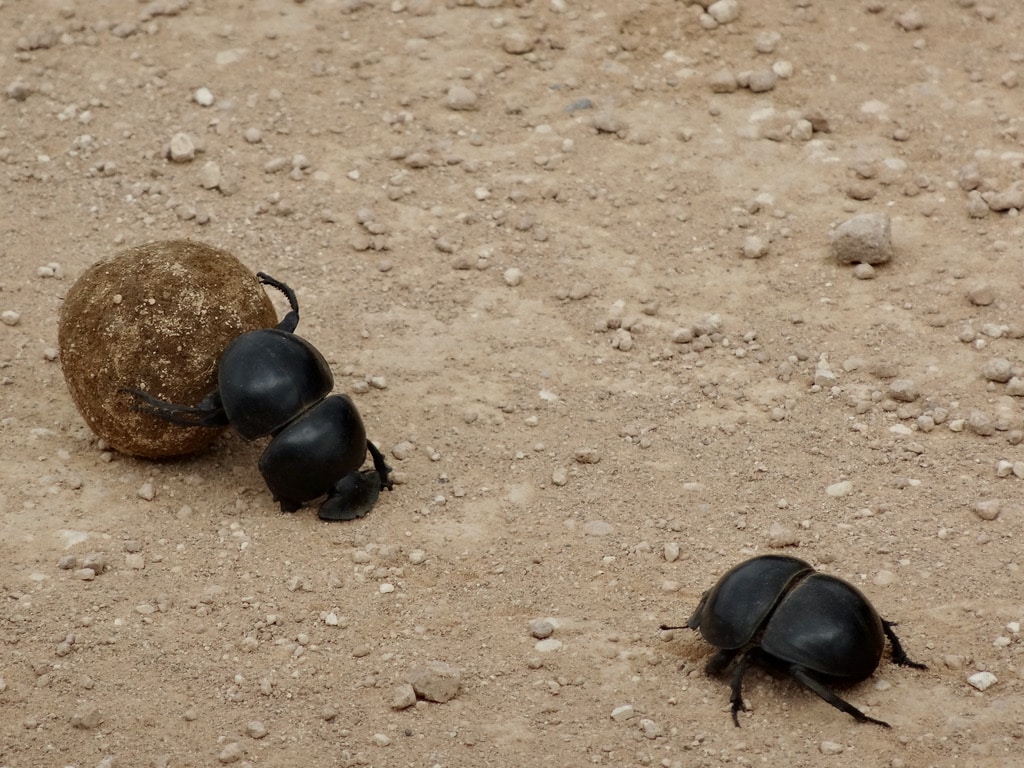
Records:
x=736, y=697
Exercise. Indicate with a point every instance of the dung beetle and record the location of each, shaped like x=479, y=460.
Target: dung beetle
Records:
x=780, y=613
x=272, y=382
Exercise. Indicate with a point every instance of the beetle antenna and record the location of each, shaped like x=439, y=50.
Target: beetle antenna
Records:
x=667, y=627
x=291, y=320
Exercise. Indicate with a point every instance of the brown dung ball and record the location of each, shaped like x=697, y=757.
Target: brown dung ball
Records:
x=157, y=318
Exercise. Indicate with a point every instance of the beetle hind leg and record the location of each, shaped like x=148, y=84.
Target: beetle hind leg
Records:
x=351, y=497
x=804, y=678
x=208, y=413
x=355, y=494
x=899, y=656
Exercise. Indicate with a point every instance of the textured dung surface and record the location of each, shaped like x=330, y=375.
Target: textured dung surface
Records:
x=155, y=317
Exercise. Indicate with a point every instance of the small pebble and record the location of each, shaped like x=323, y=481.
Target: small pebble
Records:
x=754, y=247
x=997, y=369
x=404, y=696
x=547, y=645
x=903, y=390
x=781, y=535
x=980, y=423
x=864, y=271
x=987, y=509
x=651, y=729
x=182, y=148
x=830, y=748
x=982, y=680
x=256, y=729
x=762, y=80
x=841, y=488
x=461, y=98
x=435, y=681
x=203, y=97
x=724, y=11
x=623, y=712
x=865, y=238
x=87, y=717
x=10, y=317
x=417, y=556
x=231, y=753
x=981, y=295
x=541, y=628
x=512, y=276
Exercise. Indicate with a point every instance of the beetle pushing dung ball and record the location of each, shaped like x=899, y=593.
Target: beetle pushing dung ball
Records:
x=780, y=613
x=271, y=382
x=155, y=316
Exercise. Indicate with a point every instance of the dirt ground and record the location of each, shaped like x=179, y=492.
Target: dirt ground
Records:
x=571, y=259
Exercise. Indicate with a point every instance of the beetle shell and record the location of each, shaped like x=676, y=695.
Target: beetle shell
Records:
x=844, y=642
x=732, y=611
x=308, y=456
x=268, y=377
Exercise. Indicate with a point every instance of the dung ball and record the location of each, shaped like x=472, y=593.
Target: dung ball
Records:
x=155, y=317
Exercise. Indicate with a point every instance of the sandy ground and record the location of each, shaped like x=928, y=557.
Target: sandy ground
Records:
x=500, y=219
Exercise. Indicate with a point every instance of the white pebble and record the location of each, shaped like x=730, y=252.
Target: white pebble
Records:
x=461, y=98
x=417, y=557
x=754, y=247
x=147, y=492
x=548, y=645
x=623, y=712
x=982, y=680
x=512, y=276
x=203, y=97
x=651, y=729
x=724, y=11
x=841, y=488
x=182, y=148
x=10, y=317
x=830, y=748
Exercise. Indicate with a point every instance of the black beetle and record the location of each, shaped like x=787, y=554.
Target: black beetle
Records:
x=272, y=382
x=779, y=612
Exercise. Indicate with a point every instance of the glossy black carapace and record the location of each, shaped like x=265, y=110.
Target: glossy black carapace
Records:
x=779, y=612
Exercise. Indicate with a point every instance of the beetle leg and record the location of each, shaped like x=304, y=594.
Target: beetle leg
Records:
x=380, y=466
x=899, y=656
x=208, y=413
x=351, y=497
x=717, y=663
x=736, y=698
x=799, y=674
x=290, y=321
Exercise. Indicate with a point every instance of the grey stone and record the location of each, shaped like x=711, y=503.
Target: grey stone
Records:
x=865, y=238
